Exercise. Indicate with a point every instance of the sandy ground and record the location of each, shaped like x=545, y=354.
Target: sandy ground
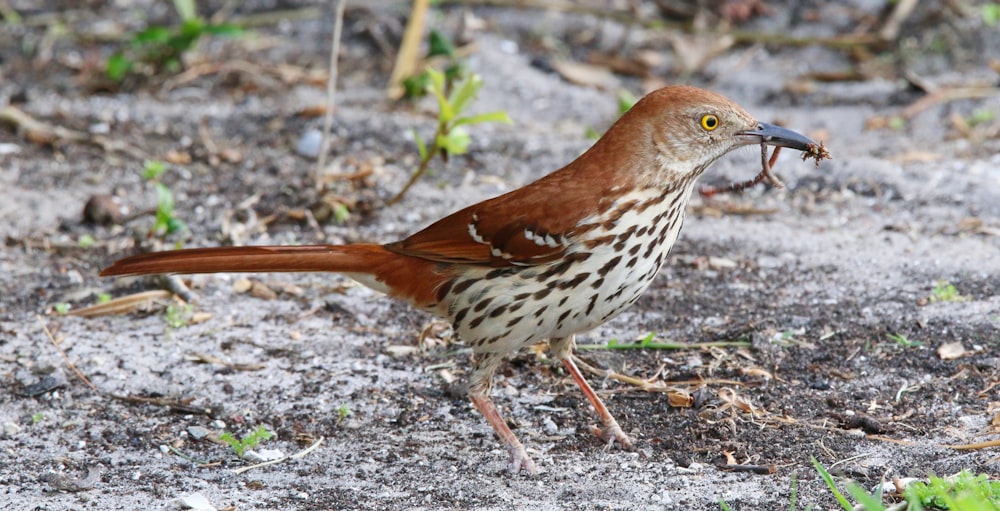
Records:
x=814, y=278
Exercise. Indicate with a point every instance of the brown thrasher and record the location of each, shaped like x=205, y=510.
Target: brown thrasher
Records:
x=546, y=261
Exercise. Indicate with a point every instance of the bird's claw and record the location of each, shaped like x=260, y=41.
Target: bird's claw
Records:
x=612, y=433
x=519, y=460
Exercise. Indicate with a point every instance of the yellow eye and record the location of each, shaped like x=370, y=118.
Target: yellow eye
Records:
x=709, y=122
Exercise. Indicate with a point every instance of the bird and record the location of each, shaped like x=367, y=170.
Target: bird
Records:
x=547, y=261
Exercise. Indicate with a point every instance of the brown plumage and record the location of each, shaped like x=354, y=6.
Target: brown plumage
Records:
x=546, y=261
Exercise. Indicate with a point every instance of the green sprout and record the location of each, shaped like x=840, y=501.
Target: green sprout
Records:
x=454, y=89
x=342, y=412
x=945, y=292
x=162, y=48
x=249, y=441
x=166, y=220
x=991, y=14
x=963, y=491
x=904, y=341
x=178, y=316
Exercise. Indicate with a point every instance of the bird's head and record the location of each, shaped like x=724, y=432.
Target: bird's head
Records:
x=682, y=130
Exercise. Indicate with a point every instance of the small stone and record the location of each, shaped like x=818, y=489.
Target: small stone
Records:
x=195, y=501
x=197, y=432
x=263, y=455
x=309, y=143
x=104, y=209
x=10, y=429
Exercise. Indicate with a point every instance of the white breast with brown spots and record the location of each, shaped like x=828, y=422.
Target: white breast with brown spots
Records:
x=604, y=271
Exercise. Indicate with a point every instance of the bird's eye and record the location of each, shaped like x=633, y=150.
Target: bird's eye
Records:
x=709, y=122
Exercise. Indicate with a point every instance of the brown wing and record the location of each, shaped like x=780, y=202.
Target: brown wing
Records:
x=528, y=226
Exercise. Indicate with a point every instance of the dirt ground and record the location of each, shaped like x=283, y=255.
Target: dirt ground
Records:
x=828, y=284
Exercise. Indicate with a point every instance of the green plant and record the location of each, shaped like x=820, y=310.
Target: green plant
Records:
x=178, y=315
x=36, y=418
x=980, y=116
x=945, y=292
x=454, y=89
x=904, y=341
x=249, y=441
x=964, y=491
x=61, y=307
x=162, y=47
x=991, y=13
x=342, y=412
x=625, y=101
x=103, y=297
x=341, y=213
x=869, y=502
x=166, y=220
x=85, y=241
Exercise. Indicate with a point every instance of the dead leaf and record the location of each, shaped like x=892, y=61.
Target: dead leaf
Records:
x=122, y=305
x=585, y=74
x=951, y=351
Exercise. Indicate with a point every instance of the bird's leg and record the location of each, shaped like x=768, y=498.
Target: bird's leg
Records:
x=562, y=349
x=479, y=393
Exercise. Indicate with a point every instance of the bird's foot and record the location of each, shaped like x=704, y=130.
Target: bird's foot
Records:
x=519, y=460
x=612, y=433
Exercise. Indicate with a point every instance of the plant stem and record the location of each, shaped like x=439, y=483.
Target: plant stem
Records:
x=424, y=162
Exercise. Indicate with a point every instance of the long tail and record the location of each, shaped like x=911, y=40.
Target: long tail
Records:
x=362, y=258
x=410, y=278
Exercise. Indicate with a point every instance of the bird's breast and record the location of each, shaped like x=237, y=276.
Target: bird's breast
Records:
x=612, y=260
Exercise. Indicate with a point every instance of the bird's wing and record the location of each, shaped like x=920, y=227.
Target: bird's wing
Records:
x=529, y=226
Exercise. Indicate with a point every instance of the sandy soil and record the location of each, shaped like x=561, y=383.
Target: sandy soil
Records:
x=814, y=278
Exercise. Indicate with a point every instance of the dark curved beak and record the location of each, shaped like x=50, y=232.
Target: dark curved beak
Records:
x=771, y=134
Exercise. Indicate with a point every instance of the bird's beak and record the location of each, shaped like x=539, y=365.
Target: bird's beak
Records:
x=777, y=136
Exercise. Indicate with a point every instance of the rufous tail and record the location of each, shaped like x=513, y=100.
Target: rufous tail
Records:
x=361, y=258
x=411, y=278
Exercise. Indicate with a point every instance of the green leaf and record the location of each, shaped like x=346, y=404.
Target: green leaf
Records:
x=118, y=66
x=648, y=340
x=445, y=112
x=341, y=213
x=153, y=35
x=455, y=141
x=421, y=146
x=625, y=101
x=466, y=90
x=103, y=297
x=153, y=169
x=440, y=45
x=175, y=224
x=991, y=14
x=85, y=241
x=164, y=199
x=417, y=85
x=870, y=502
x=498, y=116
x=61, y=307
x=828, y=479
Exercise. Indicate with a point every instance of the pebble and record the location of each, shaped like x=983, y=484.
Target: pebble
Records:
x=197, y=432
x=309, y=143
x=195, y=501
x=10, y=429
